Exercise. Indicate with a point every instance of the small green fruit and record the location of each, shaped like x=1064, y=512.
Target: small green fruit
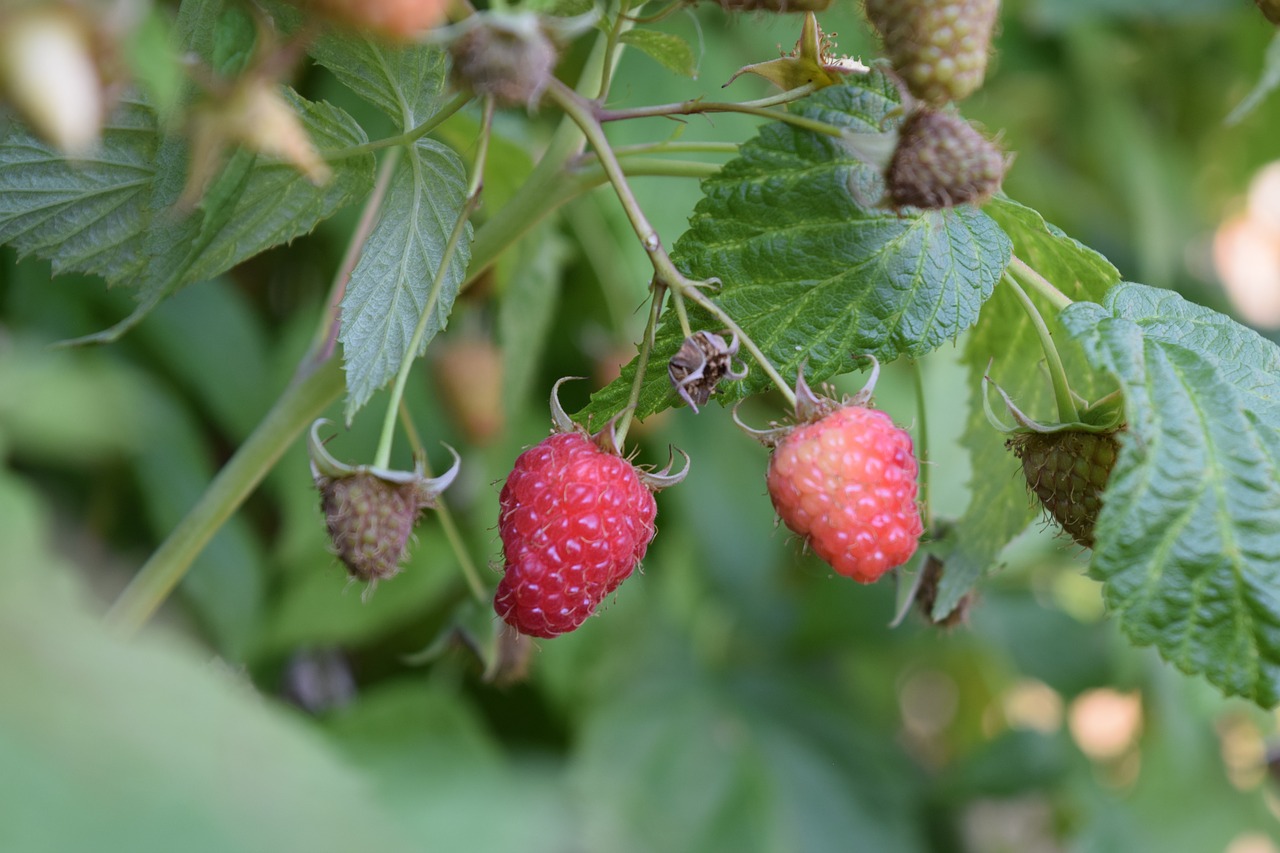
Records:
x=1068, y=471
x=940, y=47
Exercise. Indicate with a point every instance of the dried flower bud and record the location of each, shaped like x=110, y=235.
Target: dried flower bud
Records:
x=698, y=366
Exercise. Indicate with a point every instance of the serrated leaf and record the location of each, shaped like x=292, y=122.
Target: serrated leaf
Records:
x=999, y=506
x=406, y=83
x=810, y=269
x=669, y=50
x=1188, y=541
x=390, y=285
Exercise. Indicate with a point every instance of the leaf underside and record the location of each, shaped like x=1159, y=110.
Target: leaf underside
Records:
x=810, y=267
x=1188, y=541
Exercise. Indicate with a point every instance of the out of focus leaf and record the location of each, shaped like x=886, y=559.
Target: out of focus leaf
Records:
x=669, y=50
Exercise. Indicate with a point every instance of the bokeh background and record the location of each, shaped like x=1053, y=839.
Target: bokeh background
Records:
x=737, y=695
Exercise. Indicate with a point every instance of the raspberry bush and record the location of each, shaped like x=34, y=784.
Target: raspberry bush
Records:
x=1041, y=568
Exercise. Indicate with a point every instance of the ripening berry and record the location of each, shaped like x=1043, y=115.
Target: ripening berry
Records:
x=397, y=20
x=847, y=484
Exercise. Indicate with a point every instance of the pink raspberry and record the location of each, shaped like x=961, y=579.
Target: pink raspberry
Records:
x=847, y=483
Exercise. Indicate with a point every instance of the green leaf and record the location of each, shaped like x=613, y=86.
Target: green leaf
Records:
x=999, y=508
x=1188, y=544
x=810, y=271
x=113, y=216
x=406, y=83
x=671, y=52
x=390, y=285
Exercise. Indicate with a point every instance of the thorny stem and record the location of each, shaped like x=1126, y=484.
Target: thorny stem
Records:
x=646, y=347
x=402, y=139
x=1039, y=283
x=442, y=510
x=382, y=456
x=665, y=272
x=922, y=443
x=1067, y=412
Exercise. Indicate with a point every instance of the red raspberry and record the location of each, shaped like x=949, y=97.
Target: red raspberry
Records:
x=575, y=521
x=847, y=483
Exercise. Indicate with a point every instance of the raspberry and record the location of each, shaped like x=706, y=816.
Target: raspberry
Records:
x=1068, y=471
x=847, y=483
x=941, y=161
x=575, y=521
x=939, y=47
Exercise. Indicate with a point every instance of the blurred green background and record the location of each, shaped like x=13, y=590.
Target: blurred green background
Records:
x=736, y=696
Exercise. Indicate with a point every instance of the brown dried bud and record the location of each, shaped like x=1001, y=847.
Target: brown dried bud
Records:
x=927, y=596
x=698, y=366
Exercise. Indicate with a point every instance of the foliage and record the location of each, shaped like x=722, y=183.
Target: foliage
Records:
x=735, y=695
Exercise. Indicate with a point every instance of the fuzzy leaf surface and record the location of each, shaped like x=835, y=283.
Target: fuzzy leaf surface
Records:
x=1188, y=542
x=810, y=268
x=406, y=83
x=391, y=285
x=1000, y=507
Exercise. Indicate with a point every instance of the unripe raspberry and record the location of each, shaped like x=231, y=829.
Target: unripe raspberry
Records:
x=1068, y=471
x=371, y=512
x=369, y=521
x=942, y=161
x=847, y=484
x=939, y=47
x=508, y=57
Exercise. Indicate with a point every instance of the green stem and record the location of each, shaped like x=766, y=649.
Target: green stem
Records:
x=442, y=511
x=407, y=138
x=621, y=23
x=646, y=348
x=676, y=147
x=922, y=442
x=1039, y=283
x=302, y=402
x=697, y=105
x=1067, y=412
x=758, y=108
x=664, y=270
x=382, y=457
